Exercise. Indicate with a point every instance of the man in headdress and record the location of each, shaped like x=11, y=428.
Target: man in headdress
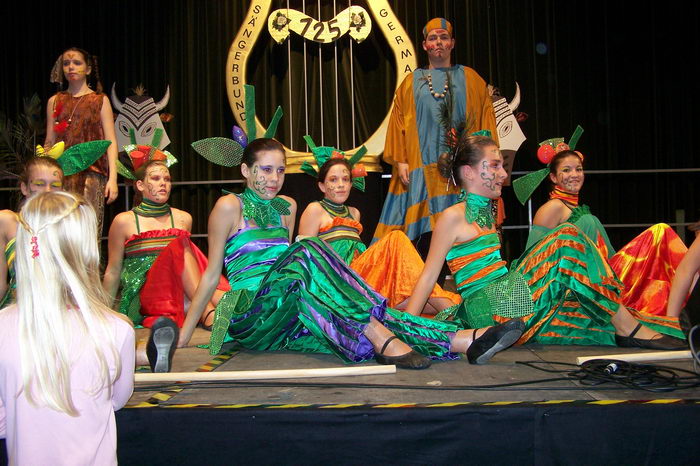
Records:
x=429, y=102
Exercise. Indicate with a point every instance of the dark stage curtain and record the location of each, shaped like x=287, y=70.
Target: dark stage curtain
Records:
x=619, y=69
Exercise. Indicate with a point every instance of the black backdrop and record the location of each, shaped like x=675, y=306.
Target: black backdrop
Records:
x=619, y=69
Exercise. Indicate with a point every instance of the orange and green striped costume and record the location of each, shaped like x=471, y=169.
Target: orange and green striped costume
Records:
x=562, y=288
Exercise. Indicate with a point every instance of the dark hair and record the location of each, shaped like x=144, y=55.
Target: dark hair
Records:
x=250, y=153
x=469, y=151
x=330, y=163
x=90, y=61
x=36, y=161
x=556, y=161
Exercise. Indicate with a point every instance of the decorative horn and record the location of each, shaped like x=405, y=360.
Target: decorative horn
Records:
x=115, y=100
x=164, y=101
x=513, y=104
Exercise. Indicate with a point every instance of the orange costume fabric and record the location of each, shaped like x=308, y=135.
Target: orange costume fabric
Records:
x=391, y=266
x=646, y=266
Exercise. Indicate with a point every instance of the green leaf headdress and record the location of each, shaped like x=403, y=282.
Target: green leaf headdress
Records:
x=323, y=154
x=229, y=152
x=76, y=158
x=526, y=185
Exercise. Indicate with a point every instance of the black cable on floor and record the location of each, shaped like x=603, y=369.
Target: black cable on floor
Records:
x=648, y=377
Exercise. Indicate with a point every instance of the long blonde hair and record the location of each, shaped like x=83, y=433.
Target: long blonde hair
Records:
x=58, y=281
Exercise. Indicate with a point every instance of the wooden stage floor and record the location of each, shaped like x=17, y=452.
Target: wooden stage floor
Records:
x=405, y=386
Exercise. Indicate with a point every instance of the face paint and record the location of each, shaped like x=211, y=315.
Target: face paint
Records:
x=266, y=176
x=157, y=184
x=490, y=174
x=569, y=176
x=438, y=44
x=336, y=187
x=44, y=178
x=74, y=66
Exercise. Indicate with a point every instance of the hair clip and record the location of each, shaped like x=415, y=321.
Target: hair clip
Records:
x=35, y=247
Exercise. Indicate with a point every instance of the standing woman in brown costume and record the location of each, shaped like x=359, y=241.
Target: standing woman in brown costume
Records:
x=82, y=113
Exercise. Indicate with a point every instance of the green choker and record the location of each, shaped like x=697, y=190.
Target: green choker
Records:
x=478, y=209
x=151, y=209
x=264, y=212
x=337, y=210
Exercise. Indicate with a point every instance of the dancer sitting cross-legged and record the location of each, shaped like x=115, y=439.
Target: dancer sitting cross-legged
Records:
x=303, y=297
x=391, y=266
x=562, y=288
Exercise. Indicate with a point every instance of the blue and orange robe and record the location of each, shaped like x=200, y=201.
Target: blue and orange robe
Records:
x=416, y=137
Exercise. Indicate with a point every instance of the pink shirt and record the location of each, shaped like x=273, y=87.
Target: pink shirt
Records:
x=38, y=436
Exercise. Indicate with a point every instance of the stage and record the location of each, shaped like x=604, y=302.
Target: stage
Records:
x=434, y=416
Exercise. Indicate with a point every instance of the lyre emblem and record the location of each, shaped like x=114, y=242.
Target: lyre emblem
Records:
x=353, y=21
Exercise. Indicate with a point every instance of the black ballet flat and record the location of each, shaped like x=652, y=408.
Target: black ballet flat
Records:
x=161, y=344
x=208, y=327
x=666, y=342
x=410, y=360
x=493, y=340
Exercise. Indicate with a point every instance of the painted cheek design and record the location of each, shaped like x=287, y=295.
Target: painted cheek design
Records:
x=488, y=175
x=259, y=181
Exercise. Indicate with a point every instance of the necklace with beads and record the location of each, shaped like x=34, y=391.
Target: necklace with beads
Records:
x=62, y=126
x=437, y=95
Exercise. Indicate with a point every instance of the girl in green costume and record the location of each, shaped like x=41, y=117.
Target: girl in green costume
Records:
x=303, y=297
x=151, y=254
x=562, y=288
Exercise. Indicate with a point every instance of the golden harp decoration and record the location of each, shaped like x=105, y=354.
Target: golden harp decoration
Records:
x=354, y=20
x=256, y=21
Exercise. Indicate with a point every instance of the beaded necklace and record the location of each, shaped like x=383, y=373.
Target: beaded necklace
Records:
x=60, y=127
x=569, y=198
x=478, y=209
x=265, y=212
x=339, y=210
x=148, y=208
x=438, y=95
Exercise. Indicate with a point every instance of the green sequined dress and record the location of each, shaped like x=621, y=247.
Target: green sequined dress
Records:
x=303, y=297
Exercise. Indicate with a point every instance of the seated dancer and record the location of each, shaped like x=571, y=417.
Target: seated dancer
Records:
x=40, y=173
x=303, y=297
x=150, y=250
x=562, y=288
x=645, y=266
x=390, y=266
